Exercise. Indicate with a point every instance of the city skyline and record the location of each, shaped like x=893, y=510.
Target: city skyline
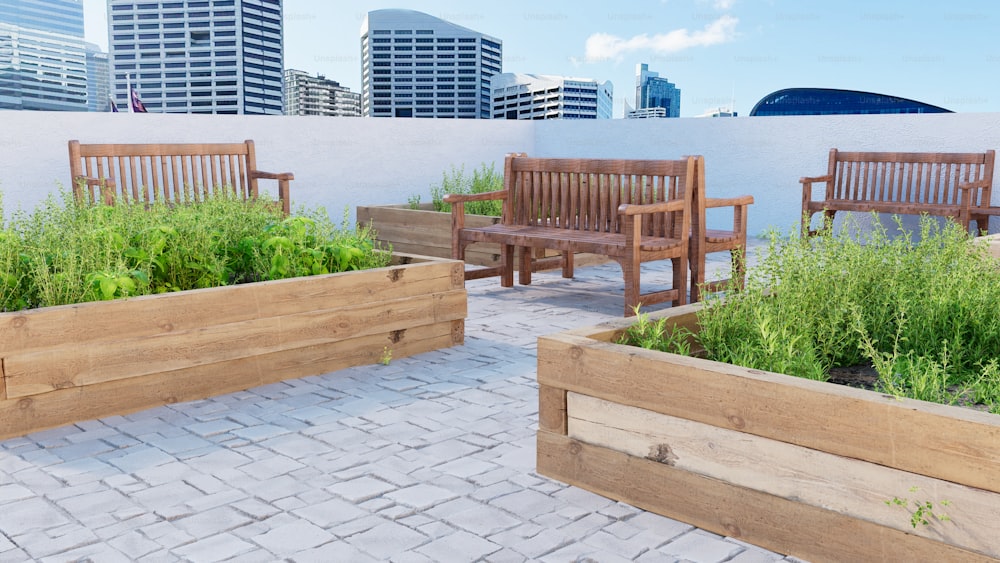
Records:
x=716, y=51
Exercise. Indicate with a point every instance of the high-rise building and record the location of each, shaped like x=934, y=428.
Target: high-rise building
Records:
x=308, y=95
x=651, y=91
x=98, y=79
x=416, y=65
x=198, y=56
x=43, y=65
x=539, y=96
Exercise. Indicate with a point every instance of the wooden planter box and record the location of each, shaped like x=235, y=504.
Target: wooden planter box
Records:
x=428, y=232
x=79, y=362
x=796, y=466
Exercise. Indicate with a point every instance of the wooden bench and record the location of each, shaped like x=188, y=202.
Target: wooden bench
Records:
x=953, y=185
x=168, y=172
x=631, y=211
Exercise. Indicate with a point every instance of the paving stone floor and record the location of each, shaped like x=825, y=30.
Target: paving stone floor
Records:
x=429, y=458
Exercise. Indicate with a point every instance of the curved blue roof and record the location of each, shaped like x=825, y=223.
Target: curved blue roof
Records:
x=831, y=101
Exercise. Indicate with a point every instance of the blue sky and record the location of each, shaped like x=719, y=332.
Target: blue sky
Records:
x=715, y=51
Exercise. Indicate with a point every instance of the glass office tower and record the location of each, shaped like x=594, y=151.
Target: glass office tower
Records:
x=416, y=65
x=198, y=56
x=43, y=63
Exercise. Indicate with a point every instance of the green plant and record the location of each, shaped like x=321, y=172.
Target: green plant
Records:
x=413, y=201
x=484, y=179
x=921, y=512
x=655, y=336
x=386, y=357
x=917, y=306
x=67, y=252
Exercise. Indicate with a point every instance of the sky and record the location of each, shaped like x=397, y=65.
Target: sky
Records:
x=718, y=52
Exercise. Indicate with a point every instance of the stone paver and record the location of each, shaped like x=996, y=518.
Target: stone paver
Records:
x=430, y=458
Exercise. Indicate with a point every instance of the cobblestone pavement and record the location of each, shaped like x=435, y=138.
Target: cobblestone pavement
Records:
x=429, y=458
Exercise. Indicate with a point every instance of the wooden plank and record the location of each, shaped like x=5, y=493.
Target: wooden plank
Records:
x=552, y=409
x=848, y=486
x=951, y=443
x=61, y=367
x=771, y=522
x=39, y=329
x=30, y=414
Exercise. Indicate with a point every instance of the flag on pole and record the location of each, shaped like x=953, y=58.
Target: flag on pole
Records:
x=114, y=106
x=137, y=105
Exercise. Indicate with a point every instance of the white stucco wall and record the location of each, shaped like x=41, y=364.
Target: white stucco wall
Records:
x=343, y=162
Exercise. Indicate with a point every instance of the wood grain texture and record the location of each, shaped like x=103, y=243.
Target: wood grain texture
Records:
x=62, y=364
x=946, y=442
x=775, y=523
x=847, y=486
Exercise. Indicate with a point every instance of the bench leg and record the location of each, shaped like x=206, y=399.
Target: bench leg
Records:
x=567, y=264
x=506, y=265
x=630, y=271
x=680, y=268
x=525, y=254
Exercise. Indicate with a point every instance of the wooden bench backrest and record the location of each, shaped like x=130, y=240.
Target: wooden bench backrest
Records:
x=171, y=172
x=904, y=178
x=584, y=194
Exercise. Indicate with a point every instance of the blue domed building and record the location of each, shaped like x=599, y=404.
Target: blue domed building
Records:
x=831, y=101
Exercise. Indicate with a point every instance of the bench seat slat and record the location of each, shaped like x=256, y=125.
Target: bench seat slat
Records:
x=608, y=244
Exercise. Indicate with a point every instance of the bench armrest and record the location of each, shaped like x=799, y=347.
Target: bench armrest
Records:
x=728, y=201
x=485, y=196
x=105, y=187
x=629, y=209
x=283, y=190
x=815, y=179
x=272, y=175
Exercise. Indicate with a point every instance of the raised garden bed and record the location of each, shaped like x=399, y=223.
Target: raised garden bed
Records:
x=77, y=362
x=807, y=468
x=428, y=232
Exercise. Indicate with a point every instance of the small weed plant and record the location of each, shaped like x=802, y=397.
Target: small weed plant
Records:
x=65, y=252
x=457, y=181
x=920, y=310
x=922, y=513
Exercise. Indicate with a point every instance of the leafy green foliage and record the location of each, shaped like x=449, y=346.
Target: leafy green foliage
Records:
x=654, y=335
x=921, y=512
x=921, y=310
x=65, y=252
x=484, y=179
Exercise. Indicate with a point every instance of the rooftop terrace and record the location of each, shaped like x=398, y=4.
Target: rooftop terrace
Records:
x=429, y=458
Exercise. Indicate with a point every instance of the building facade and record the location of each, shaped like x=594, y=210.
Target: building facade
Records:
x=198, y=56
x=317, y=95
x=43, y=65
x=651, y=91
x=98, y=79
x=534, y=96
x=416, y=65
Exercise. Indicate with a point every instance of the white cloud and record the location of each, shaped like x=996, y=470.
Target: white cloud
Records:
x=604, y=46
x=723, y=4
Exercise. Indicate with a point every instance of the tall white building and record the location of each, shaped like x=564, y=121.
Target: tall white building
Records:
x=43, y=65
x=416, y=65
x=318, y=95
x=540, y=96
x=198, y=56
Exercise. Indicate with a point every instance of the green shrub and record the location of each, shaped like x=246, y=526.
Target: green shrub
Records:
x=65, y=252
x=923, y=312
x=483, y=179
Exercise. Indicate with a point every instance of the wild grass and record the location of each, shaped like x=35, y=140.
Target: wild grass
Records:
x=65, y=252
x=457, y=181
x=922, y=310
